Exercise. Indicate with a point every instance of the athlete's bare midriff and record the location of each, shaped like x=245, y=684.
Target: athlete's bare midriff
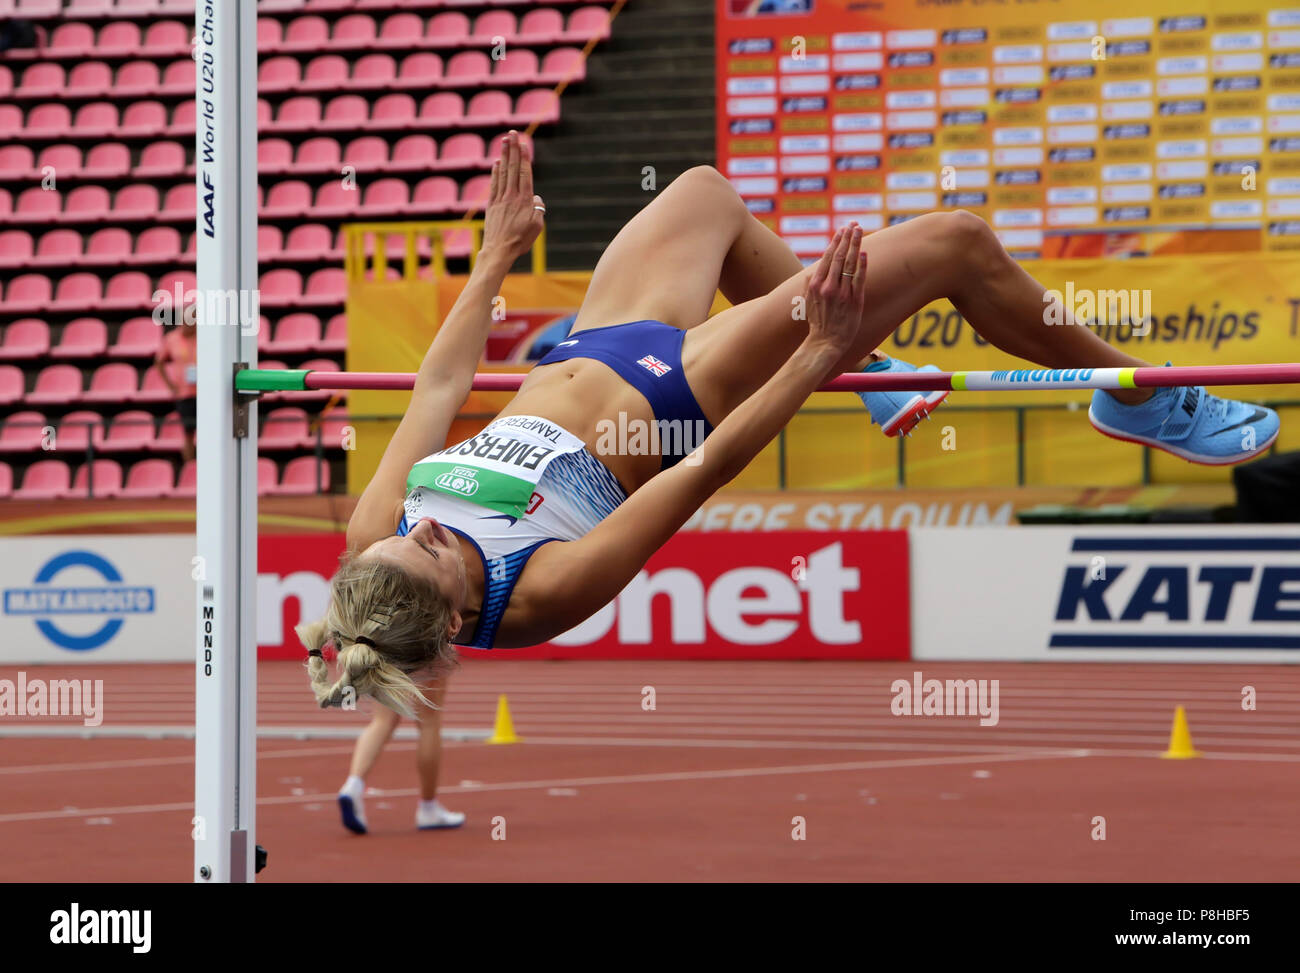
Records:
x=582, y=395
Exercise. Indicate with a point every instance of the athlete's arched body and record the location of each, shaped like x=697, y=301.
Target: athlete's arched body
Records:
x=567, y=524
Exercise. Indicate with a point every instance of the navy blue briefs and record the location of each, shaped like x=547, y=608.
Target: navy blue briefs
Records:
x=648, y=356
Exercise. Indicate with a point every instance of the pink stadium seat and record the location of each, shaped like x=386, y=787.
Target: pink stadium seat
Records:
x=329, y=72
x=422, y=69
x=468, y=68
x=78, y=292
x=296, y=334
x=6, y=201
x=65, y=160
x=442, y=108
x=18, y=159
x=269, y=34
x=129, y=431
x=326, y=286
x=308, y=241
x=434, y=193
x=182, y=7
x=11, y=384
x=99, y=118
x=136, y=78
x=171, y=435
x=6, y=82
x=47, y=120
x=519, y=66
x=335, y=200
x=107, y=160
x=56, y=385
x=28, y=292
x=302, y=478
x=274, y=156
x=449, y=29
x=77, y=430
x=168, y=38
x=374, y=71
x=306, y=34
x=278, y=74
x=16, y=248
x=474, y=193
x=493, y=24
x=355, y=30
x=319, y=154
x=563, y=64
x=289, y=198
x=263, y=114
x=22, y=432
x=35, y=203
x=86, y=204
x=300, y=112
x=153, y=388
x=25, y=338
x=285, y=428
x=369, y=153
x=82, y=338
x=158, y=244
x=386, y=196
x=187, y=482
x=586, y=23
x=114, y=382
x=148, y=479
x=6, y=480
x=401, y=30
x=137, y=338
x=270, y=241
x=183, y=119
x=268, y=477
x=38, y=8
x=179, y=203
x=72, y=39
x=489, y=108
x=336, y=334
x=346, y=112
x=178, y=79
x=539, y=105
x=46, y=479
x=144, y=118
x=464, y=150
x=107, y=480
x=281, y=287
x=128, y=290
x=135, y=202
x=413, y=153
x=161, y=159
x=393, y=111
x=325, y=4
x=333, y=426
x=41, y=80
x=137, y=6
x=540, y=26
x=11, y=120
x=109, y=246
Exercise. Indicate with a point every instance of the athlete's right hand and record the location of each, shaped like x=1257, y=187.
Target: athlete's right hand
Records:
x=836, y=291
x=514, y=215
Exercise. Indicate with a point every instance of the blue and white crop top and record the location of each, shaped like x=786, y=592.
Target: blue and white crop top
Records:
x=521, y=482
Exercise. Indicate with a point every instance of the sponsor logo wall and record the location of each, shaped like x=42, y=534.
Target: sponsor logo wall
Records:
x=748, y=596
x=111, y=598
x=1107, y=594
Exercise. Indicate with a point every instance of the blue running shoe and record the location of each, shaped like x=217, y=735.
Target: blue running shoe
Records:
x=1189, y=422
x=899, y=412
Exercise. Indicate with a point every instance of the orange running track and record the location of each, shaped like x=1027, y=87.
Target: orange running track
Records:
x=706, y=787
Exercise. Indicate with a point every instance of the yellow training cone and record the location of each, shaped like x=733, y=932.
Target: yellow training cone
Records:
x=1180, y=739
x=504, y=730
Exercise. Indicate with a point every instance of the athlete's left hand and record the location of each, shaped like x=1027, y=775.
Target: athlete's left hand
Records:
x=515, y=215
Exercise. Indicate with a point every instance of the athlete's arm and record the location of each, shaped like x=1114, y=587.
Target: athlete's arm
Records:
x=511, y=226
x=566, y=583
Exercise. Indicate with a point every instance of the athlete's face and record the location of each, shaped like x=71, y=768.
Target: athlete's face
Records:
x=432, y=552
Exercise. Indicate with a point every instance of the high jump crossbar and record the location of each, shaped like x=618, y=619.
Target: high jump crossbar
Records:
x=252, y=380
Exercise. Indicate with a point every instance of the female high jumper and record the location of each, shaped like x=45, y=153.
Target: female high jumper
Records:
x=523, y=531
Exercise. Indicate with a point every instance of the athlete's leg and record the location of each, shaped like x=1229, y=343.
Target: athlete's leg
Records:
x=372, y=741
x=428, y=751
x=940, y=255
x=670, y=259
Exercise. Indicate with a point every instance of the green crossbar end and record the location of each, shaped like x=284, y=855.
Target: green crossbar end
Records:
x=271, y=380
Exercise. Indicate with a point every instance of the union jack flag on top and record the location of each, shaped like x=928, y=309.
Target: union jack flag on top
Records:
x=653, y=365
